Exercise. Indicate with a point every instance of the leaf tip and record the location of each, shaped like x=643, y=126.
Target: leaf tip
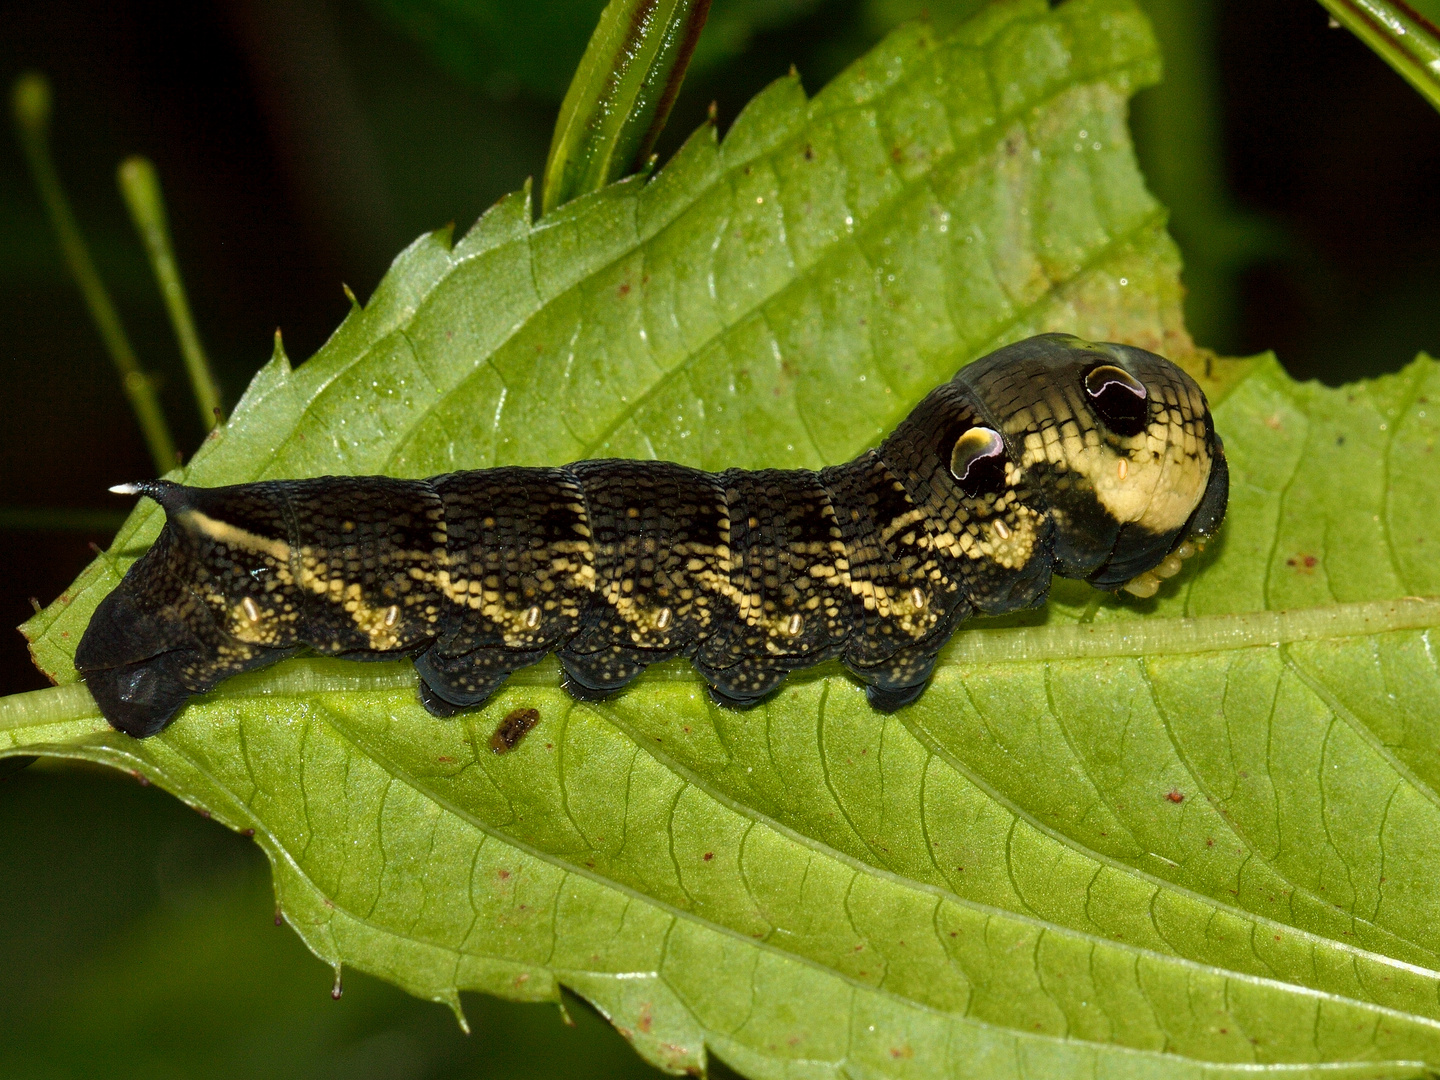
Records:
x=452, y=999
x=278, y=355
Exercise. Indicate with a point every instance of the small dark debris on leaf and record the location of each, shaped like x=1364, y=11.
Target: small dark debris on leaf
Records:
x=247, y=832
x=35, y=603
x=512, y=729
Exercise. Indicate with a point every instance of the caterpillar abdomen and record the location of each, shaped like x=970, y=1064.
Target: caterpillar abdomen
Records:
x=1052, y=455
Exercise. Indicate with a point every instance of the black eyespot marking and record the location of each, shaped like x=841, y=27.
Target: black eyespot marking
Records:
x=616, y=565
x=978, y=462
x=512, y=729
x=1119, y=397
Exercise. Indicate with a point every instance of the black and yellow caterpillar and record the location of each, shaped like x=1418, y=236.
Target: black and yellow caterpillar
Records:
x=1050, y=456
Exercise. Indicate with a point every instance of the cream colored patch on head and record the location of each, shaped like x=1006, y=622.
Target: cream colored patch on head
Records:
x=1163, y=480
x=1154, y=479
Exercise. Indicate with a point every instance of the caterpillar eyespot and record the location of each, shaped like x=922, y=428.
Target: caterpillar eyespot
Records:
x=1119, y=397
x=978, y=462
x=1024, y=465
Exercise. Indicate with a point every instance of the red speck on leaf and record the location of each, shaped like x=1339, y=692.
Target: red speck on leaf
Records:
x=1175, y=796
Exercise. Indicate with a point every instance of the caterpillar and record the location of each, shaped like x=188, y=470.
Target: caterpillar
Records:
x=1052, y=455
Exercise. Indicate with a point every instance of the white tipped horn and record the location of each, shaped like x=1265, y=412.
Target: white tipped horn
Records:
x=125, y=489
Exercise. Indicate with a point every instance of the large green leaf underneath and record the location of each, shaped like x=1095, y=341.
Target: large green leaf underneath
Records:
x=1182, y=837
x=1188, y=840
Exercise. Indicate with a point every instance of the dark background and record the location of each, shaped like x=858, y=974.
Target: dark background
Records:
x=301, y=144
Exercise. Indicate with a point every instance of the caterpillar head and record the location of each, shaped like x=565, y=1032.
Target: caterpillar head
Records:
x=1112, y=446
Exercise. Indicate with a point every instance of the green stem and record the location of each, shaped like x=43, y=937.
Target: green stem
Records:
x=31, y=102
x=621, y=95
x=1402, y=36
x=140, y=186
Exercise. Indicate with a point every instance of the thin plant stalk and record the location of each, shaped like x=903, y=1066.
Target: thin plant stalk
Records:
x=31, y=102
x=140, y=185
x=1404, y=35
x=621, y=95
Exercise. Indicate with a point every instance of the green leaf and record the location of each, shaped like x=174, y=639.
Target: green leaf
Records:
x=1189, y=836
